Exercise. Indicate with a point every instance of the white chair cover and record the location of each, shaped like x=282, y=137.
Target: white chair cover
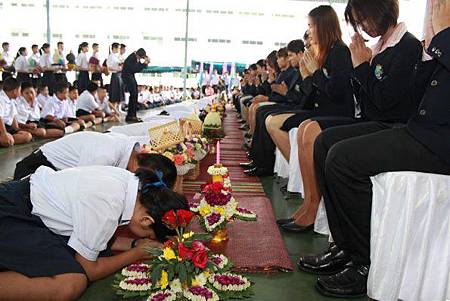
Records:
x=321, y=222
x=281, y=167
x=410, y=239
x=295, y=183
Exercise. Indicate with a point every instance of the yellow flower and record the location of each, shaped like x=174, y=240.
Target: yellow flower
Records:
x=220, y=210
x=205, y=210
x=188, y=235
x=194, y=282
x=169, y=254
x=164, y=281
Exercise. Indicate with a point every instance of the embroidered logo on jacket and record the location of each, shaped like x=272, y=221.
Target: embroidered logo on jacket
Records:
x=379, y=73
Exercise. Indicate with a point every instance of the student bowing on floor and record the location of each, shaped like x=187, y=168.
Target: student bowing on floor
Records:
x=91, y=148
x=56, y=228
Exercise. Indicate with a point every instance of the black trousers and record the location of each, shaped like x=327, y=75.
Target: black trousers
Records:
x=131, y=86
x=83, y=81
x=345, y=159
x=263, y=147
x=29, y=164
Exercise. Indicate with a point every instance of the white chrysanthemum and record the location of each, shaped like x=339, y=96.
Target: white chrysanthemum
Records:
x=190, y=296
x=136, y=284
x=223, y=261
x=175, y=286
x=136, y=270
x=244, y=283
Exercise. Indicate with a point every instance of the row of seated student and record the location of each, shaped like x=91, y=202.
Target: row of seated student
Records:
x=152, y=97
x=359, y=112
x=24, y=114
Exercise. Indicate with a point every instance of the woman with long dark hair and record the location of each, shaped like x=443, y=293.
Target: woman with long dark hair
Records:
x=21, y=65
x=45, y=63
x=82, y=67
x=116, y=89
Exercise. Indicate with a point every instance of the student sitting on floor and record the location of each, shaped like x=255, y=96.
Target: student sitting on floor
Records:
x=90, y=148
x=10, y=132
x=29, y=114
x=111, y=113
x=85, y=121
x=43, y=96
x=56, y=228
x=54, y=113
x=87, y=105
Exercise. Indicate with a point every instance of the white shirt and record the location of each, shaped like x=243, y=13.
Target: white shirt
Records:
x=104, y=105
x=82, y=60
x=113, y=62
x=34, y=60
x=70, y=203
x=71, y=111
x=26, y=112
x=144, y=96
x=9, y=59
x=45, y=61
x=21, y=64
x=42, y=100
x=89, y=148
x=55, y=107
x=9, y=108
x=86, y=102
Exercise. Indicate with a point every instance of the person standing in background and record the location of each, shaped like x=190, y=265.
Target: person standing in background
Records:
x=45, y=63
x=116, y=90
x=95, y=66
x=33, y=62
x=134, y=63
x=82, y=67
x=21, y=65
x=60, y=61
x=9, y=59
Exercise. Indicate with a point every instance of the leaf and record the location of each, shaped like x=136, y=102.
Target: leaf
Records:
x=182, y=274
x=171, y=272
x=155, y=252
x=156, y=275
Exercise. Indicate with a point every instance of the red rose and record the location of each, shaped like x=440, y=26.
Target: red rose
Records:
x=184, y=252
x=200, y=259
x=168, y=244
x=216, y=187
x=184, y=217
x=170, y=219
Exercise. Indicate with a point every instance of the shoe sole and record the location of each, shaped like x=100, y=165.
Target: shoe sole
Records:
x=325, y=293
x=306, y=270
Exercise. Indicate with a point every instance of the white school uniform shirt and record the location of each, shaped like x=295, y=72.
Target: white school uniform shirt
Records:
x=9, y=59
x=34, y=60
x=86, y=204
x=71, y=109
x=21, y=64
x=27, y=112
x=86, y=101
x=42, y=100
x=89, y=148
x=104, y=105
x=45, y=61
x=82, y=60
x=55, y=107
x=9, y=108
x=113, y=62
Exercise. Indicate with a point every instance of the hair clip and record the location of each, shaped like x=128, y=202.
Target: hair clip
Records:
x=160, y=183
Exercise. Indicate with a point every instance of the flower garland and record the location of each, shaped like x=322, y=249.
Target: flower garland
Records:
x=184, y=269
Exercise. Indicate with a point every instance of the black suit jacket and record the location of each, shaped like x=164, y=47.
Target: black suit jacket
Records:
x=132, y=66
x=430, y=125
x=383, y=88
x=328, y=91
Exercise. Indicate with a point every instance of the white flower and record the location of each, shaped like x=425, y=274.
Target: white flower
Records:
x=244, y=283
x=223, y=261
x=138, y=270
x=190, y=296
x=129, y=284
x=170, y=295
x=211, y=228
x=217, y=171
x=175, y=286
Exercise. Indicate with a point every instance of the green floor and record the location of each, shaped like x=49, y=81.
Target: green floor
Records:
x=278, y=287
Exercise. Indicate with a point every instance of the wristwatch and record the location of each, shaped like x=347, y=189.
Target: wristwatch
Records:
x=133, y=242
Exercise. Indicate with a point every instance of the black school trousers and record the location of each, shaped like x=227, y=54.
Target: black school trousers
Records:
x=345, y=159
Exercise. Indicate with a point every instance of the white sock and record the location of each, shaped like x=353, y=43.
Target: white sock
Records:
x=68, y=130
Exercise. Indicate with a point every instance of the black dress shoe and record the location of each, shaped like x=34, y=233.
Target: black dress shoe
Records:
x=248, y=135
x=283, y=221
x=293, y=227
x=246, y=146
x=133, y=119
x=244, y=127
x=247, y=165
x=330, y=262
x=249, y=155
x=350, y=283
x=258, y=172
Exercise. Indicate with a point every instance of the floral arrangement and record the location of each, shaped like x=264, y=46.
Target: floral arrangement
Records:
x=184, y=269
x=212, y=126
x=219, y=173
x=183, y=156
x=216, y=207
x=200, y=146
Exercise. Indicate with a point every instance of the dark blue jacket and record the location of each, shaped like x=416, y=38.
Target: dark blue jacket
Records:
x=430, y=125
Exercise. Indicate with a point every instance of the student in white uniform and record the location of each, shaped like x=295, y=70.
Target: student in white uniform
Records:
x=92, y=148
x=85, y=121
x=116, y=89
x=33, y=62
x=55, y=113
x=29, y=114
x=8, y=113
x=95, y=65
x=111, y=114
x=82, y=67
x=9, y=59
x=45, y=63
x=21, y=65
x=60, y=61
x=56, y=228
x=87, y=105
x=43, y=96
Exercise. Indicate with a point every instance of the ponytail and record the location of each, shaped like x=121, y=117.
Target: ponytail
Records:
x=81, y=46
x=44, y=46
x=20, y=52
x=157, y=199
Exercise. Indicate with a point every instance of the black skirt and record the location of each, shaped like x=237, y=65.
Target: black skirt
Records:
x=116, y=88
x=29, y=164
x=97, y=76
x=48, y=79
x=326, y=122
x=83, y=81
x=27, y=246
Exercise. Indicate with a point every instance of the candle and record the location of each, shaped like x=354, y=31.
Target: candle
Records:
x=218, y=152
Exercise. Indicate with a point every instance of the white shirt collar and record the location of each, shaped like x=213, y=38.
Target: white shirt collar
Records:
x=130, y=200
x=125, y=158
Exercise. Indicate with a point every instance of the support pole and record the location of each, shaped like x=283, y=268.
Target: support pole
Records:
x=186, y=37
x=49, y=32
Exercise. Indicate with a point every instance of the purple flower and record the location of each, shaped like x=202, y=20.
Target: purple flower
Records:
x=137, y=268
x=138, y=281
x=216, y=260
x=160, y=296
x=228, y=280
x=243, y=210
x=213, y=218
x=201, y=291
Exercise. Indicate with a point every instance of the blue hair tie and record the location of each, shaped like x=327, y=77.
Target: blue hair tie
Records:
x=160, y=183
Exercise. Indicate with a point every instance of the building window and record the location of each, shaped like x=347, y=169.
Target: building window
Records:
x=247, y=42
x=88, y=36
x=223, y=41
x=25, y=34
x=177, y=39
x=14, y=34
